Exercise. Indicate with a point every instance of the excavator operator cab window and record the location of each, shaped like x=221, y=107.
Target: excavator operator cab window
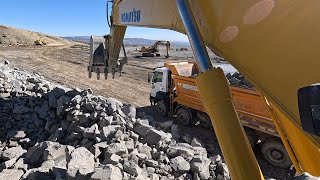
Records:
x=309, y=108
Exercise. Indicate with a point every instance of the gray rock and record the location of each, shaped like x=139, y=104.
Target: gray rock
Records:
x=129, y=145
x=110, y=172
x=11, y=174
x=54, y=150
x=52, y=100
x=106, y=121
x=151, y=163
x=181, y=149
x=7, y=164
x=91, y=132
x=180, y=165
x=80, y=164
x=90, y=106
x=30, y=87
x=116, y=148
x=20, y=109
x=14, y=152
x=141, y=128
x=112, y=159
x=37, y=173
x=234, y=81
x=215, y=159
x=129, y=110
x=196, y=142
x=87, y=92
x=133, y=135
x=144, y=149
x=154, y=136
x=132, y=168
x=166, y=126
x=5, y=95
x=200, y=165
x=58, y=91
x=154, y=177
x=175, y=131
x=16, y=135
x=196, y=176
x=222, y=169
x=34, y=154
x=187, y=138
x=84, y=118
x=20, y=165
x=73, y=92
x=61, y=102
x=43, y=111
x=114, y=101
x=33, y=80
x=109, y=130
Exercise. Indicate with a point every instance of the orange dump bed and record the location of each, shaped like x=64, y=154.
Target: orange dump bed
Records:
x=249, y=104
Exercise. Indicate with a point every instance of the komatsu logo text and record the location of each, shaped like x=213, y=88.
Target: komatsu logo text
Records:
x=133, y=16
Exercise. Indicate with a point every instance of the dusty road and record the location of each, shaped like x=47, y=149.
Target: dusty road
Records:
x=67, y=65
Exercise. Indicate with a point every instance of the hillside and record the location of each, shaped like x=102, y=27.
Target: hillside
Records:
x=130, y=41
x=10, y=36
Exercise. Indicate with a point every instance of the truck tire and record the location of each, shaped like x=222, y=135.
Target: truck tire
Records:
x=162, y=108
x=275, y=153
x=184, y=117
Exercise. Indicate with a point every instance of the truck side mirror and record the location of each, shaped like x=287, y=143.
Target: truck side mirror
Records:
x=150, y=77
x=309, y=108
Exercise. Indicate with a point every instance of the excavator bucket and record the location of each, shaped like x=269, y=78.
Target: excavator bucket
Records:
x=97, y=62
x=100, y=59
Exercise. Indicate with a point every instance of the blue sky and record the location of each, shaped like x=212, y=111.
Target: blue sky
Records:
x=70, y=18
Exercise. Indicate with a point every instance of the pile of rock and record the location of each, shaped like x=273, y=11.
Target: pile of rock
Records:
x=52, y=132
x=236, y=79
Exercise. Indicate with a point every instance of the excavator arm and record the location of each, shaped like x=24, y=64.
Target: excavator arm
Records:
x=272, y=43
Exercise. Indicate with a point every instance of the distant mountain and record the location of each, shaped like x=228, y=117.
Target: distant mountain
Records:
x=84, y=39
x=130, y=41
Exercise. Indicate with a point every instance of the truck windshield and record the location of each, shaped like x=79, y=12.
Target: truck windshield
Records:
x=157, y=77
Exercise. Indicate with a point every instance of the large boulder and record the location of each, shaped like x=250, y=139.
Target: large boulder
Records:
x=109, y=172
x=154, y=136
x=11, y=153
x=180, y=165
x=80, y=163
x=11, y=174
x=200, y=165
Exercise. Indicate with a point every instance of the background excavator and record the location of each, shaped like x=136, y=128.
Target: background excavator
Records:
x=39, y=42
x=151, y=51
x=259, y=38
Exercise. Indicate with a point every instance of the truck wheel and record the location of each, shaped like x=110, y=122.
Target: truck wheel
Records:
x=184, y=117
x=275, y=153
x=162, y=108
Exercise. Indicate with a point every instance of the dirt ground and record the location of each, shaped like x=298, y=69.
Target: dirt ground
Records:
x=67, y=65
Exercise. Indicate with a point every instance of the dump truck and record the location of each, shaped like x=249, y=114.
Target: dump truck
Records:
x=174, y=91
